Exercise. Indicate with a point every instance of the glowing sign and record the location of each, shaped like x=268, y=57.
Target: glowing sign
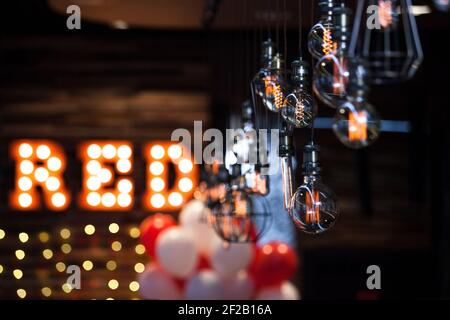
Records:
x=102, y=162
x=38, y=163
x=106, y=176
x=160, y=156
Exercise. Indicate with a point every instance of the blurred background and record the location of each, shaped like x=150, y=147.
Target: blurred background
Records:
x=138, y=69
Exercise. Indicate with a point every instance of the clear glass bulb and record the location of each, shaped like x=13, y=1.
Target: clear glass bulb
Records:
x=323, y=38
x=299, y=109
x=357, y=123
x=241, y=217
x=269, y=84
x=314, y=207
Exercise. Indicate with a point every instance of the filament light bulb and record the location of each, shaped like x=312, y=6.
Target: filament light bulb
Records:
x=322, y=38
x=299, y=108
x=314, y=207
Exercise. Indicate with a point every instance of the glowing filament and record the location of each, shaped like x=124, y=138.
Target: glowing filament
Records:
x=312, y=207
x=357, y=126
x=340, y=77
x=299, y=112
x=328, y=46
x=273, y=90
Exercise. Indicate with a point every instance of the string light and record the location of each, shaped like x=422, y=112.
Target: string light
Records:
x=23, y=237
x=46, y=292
x=65, y=233
x=60, y=266
x=2, y=234
x=21, y=293
x=116, y=246
x=134, y=232
x=44, y=237
x=66, y=248
x=139, y=249
x=113, y=284
x=89, y=229
x=113, y=228
x=47, y=253
x=18, y=274
x=67, y=288
x=139, y=267
x=134, y=286
x=20, y=254
x=88, y=265
x=111, y=265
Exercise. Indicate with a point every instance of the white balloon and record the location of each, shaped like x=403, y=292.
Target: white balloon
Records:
x=155, y=285
x=176, y=252
x=239, y=286
x=194, y=217
x=229, y=258
x=205, y=285
x=286, y=291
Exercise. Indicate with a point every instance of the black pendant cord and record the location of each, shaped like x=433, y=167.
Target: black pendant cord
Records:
x=285, y=36
x=300, y=28
x=313, y=69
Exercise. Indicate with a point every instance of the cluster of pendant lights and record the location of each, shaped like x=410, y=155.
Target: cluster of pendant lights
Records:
x=381, y=46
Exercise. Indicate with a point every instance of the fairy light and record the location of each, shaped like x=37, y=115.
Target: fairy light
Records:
x=66, y=248
x=23, y=237
x=139, y=249
x=105, y=162
x=66, y=287
x=134, y=286
x=20, y=254
x=65, y=233
x=89, y=229
x=113, y=228
x=2, y=234
x=39, y=163
x=139, y=267
x=134, y=232
x=46, y=292
x=18, y=274
x=60, y=266
x=111, y=265
x=88, y=265
x=21, y=293
x=44, y=237
x=116, y=246
x=1, y=269
x=47, y=254
x=113, y=284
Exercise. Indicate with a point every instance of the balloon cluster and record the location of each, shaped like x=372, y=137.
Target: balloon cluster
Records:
x=189, y=261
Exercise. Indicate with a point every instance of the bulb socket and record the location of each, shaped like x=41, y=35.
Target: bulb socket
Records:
x=300, y=73
x=286, y=145
x=277, y=62
x=267, y=52
x=311, y=164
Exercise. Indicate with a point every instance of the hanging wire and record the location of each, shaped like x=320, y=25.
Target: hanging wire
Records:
x=312, y=66
x=300, y=28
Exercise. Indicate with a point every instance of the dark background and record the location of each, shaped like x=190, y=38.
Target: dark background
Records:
x=141, y=83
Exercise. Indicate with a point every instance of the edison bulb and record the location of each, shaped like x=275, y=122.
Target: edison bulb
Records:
x=270, y=85
x=357, y=124
x=314, y=207
x=323, y=38
x=240, y=217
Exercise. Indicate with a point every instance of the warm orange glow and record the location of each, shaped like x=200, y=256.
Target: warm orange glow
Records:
x=328, y=46
x=340, y=79
x=159, y=156
x=357, y=126
x=273, y=89
x=385, y=13
x=39, y=163
x=312, y=207
x=103, y=161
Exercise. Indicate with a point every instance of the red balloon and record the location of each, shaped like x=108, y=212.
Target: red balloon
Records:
x=203, y=263
x=273, y=263
x=151, y=227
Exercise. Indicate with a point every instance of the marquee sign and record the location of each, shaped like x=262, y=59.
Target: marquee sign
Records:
x=107, y=176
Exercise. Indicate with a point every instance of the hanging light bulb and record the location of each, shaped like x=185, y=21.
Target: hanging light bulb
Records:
x=322, y=38
x=299, y=107
x=313, y=207
x=333, y=70
x=389, y=42
x=269, y=83
x=240, y=216
x=357, y=124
